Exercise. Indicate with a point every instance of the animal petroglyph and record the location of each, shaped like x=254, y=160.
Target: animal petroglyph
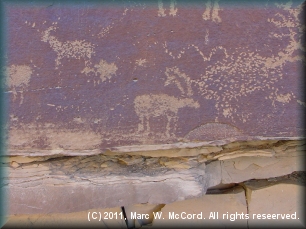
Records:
x=155, y=105
x=212, y=11
x=242, y=72
x=148, y=106
x=78, y=49
x=228, y=81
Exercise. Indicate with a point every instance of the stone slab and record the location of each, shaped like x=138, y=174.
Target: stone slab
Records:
x=64, y=185
x=236, y=164
x=41, y=184
x=276, y=204
x=246, y=168
x=85, y=219
x=230, y=204
x=141, y=214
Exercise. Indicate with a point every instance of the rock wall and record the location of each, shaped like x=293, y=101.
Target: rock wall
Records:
x=153, y=114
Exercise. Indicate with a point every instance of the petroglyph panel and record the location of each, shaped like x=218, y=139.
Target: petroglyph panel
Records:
x=99, y=76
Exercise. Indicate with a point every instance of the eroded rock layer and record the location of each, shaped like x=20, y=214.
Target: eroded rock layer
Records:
x=38, y=184
x=278, y=200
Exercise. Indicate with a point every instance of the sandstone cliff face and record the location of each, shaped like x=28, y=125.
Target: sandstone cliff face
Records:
x=163, y=108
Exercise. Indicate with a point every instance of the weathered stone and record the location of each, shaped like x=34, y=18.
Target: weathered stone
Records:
x=232, y=202
x=246, y=153
x=195, y=150
x=49, y=199
x=40, y=187
x=142, y=109
x=288, y=158
x=117, y=179
x=247, y=168
x=110, y=218
x=93, y=87
x=141, y=214
x=270, y=203
x=213, y=173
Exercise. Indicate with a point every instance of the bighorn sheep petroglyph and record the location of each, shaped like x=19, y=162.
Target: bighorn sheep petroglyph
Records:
x=78, y=49
x=155, y=105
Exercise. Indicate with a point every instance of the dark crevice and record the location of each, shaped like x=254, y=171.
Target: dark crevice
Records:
x=298, y=177
x=125, y=217
x=246, y=201
x=220, y=188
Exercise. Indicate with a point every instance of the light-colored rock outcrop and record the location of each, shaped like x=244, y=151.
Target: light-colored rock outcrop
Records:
x=202, y=212
x=141, y=214
x=245, y=168
x=39, y=187
x=37, y=184
x=251, y=204
x=84, y=219
x=280, y=204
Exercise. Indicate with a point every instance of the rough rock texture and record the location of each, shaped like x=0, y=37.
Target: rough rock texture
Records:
x=139, y=210
x=82, y=80
x=151, y=105
x=237, y=166
x=276, y=197
x=37, y=184
x=232, y=202
x=239, y=206
x=68, y=220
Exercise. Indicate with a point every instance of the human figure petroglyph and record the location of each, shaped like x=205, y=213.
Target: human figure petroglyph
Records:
x=212, y=11
x=172, y=9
